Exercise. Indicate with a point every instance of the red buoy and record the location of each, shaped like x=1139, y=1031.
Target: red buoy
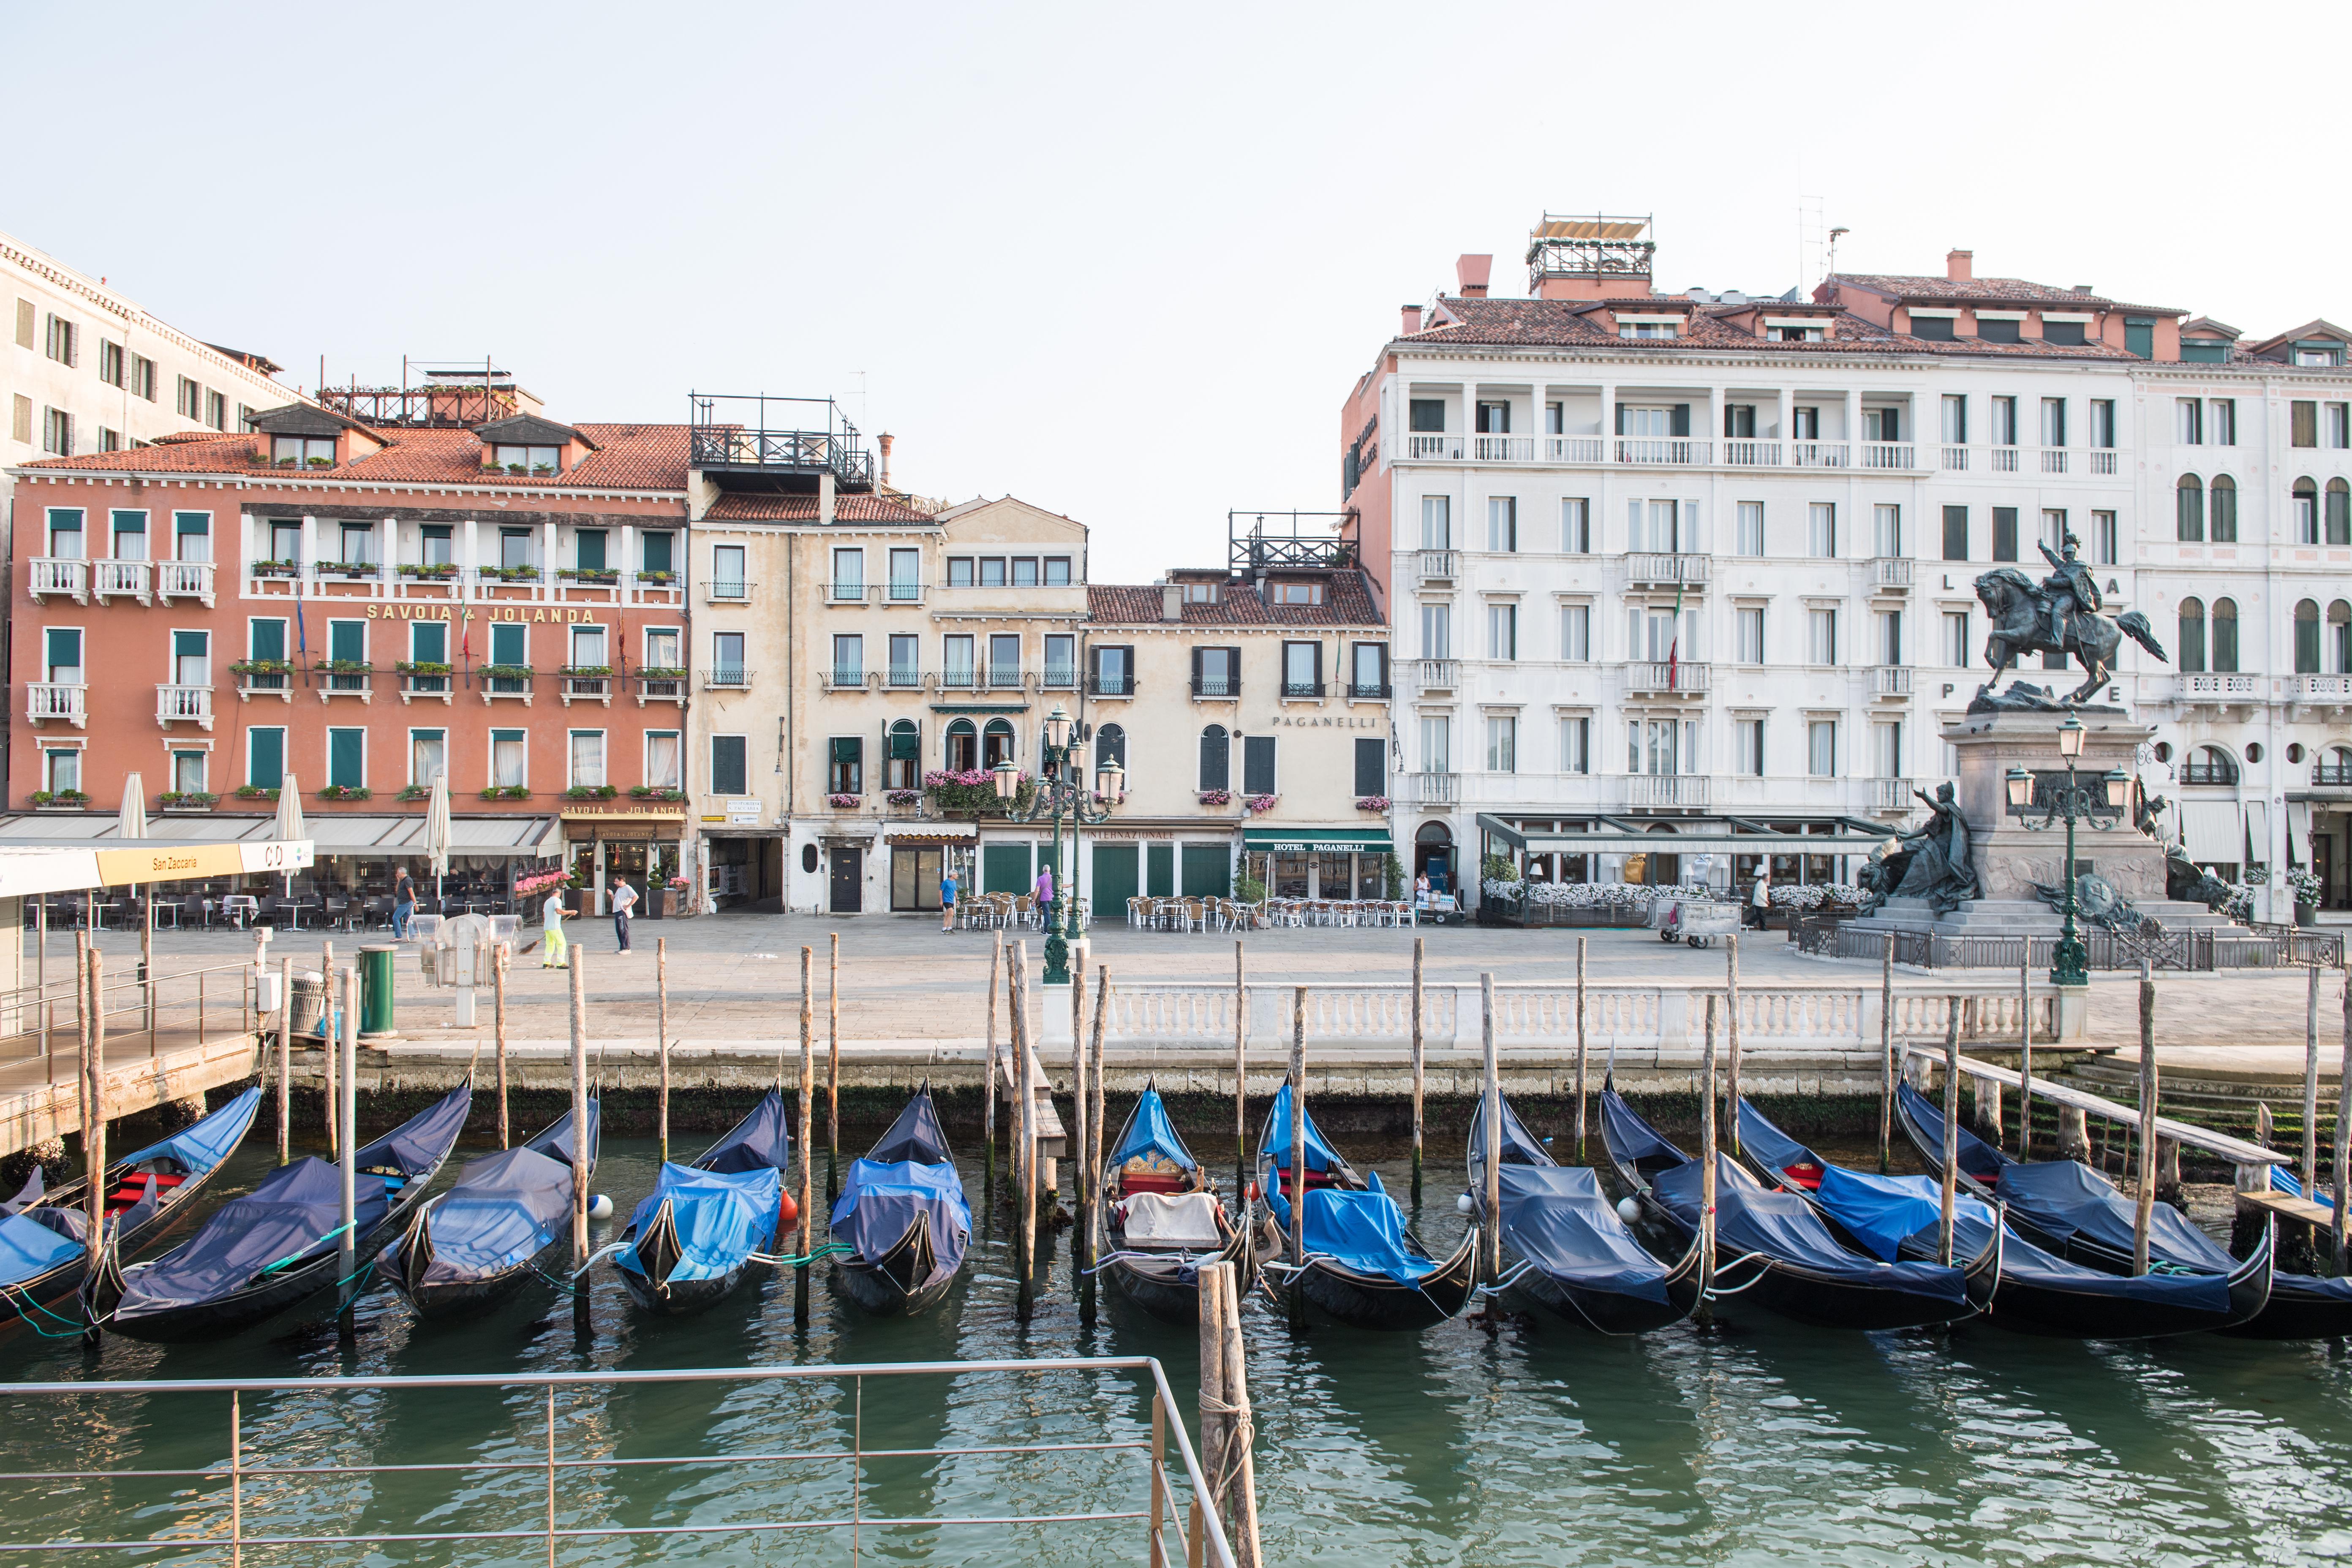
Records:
x=788, y=1212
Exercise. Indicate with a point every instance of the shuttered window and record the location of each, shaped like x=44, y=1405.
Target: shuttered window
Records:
x=1258, y=764
x=846, y=772
x=266, y=639
x=1215, y=769
x=1371, y=768
x=264, y=758
x=346, y=758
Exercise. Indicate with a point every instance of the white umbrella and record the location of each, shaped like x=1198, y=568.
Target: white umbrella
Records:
x=132, y=822
x=437, y=832
x=290, y=819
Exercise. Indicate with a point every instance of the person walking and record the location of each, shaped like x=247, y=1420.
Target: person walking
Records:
x=625, y=899
x=552, y=953
x=403, y=902
x=1759, y=898
x=1044, y=893
x=948, y=890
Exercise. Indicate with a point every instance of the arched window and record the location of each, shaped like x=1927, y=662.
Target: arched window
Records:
x=2307, y=637
x=2209, y=766
x=2334, y=768
x=2339, y=513
x=1111, y=746
x=2339, y=638
x=902, y=766
x=2192, y=637
x=996, y=743
x=963, y=747
x=1215, y=758
x=2190, y=497
x=2224, y=509
x=2307, y=512
x=2225, y=636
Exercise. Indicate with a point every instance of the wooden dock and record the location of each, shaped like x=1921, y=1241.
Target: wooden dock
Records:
x=39, y=1101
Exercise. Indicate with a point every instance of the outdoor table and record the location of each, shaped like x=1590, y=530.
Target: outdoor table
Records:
x=240, y=908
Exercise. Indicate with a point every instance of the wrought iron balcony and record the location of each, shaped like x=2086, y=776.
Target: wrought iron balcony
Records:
x=775, y=443
x=1110, y=685
x=1303, y=690
x=1217, y=689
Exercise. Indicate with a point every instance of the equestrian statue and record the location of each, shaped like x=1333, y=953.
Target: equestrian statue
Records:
x=2063, y=614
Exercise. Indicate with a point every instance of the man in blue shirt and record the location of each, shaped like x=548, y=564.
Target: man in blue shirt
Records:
x=947, y=898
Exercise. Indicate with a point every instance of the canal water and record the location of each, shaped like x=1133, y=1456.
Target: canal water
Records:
x=1755, y=1442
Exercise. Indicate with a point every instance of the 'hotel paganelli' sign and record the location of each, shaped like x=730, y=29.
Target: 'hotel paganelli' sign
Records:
x=1327, y=721
x=557, y=613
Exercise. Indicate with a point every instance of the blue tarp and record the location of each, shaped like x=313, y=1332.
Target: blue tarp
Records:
x=1321, y=1155
x=206, y=1144
x=1630, y=1137
x=1882, y=1212
x=1785, y=1230
x=2065, y=1198
x=721, y=1217
x=916, y=1135
x=1148, y=1130
x=760, y=1141
x=1978, y=1158
x=424, y=1141
x=556, y=1141
x=1521, y=1147
x=1558, y=1218
x=1363, y=1231
x=29, y=1249
x=502, y=1213
x=1767, y=1145
x=880, y=1202
x=294, y=1214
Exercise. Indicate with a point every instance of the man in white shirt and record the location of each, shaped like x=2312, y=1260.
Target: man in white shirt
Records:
x=552, y=949
x=624, y=898
x=1759, y=899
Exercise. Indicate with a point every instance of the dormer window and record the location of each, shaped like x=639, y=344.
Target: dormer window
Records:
x=302, y=451
x=2318, y=356
x=1298, y=592
x=1649, y=326
x=526, y=459
x=1202, y=593
x=1794, y=332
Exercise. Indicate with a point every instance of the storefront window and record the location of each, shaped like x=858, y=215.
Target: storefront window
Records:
x=1292, y=877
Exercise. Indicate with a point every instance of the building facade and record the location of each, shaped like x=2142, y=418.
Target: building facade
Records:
x=1699, y=566
x=349, y=607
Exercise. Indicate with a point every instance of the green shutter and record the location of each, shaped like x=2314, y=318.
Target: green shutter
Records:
x=347, y=757
x=507, y=644
x=192, y=523
x=264, y=758
x=191, y=645
x=430, y=642
x=1114, y=880
x=1371, y=768
x=264, y=639
x=1160, y=867
x=906, y=742
x=658, y=556
x=1208, y=870
x=64, y=647
x=589, y=543
x=347, y=641
x=1004, y=869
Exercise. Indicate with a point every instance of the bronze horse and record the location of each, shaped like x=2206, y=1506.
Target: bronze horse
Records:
x=2020, y=623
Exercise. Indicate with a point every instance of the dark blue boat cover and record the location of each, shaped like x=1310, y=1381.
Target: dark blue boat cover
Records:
x=29, y=1248
x=2066, y=1198
x=294, y=1214
x=1632, y=1138
x=1978, y=1158
x=1783, y=1227
x=1148, y=1130
x=880, y=1203
x=1276, y=1139
x=721, y=1217
x=916, y=1136
x=1558, y=1218
x=29, y=1193
x=504, y=1210
x=1363, y=1231
x=424, y=1141
x=197, y=1148
x=1882, y=1212
x=556, y=1141
x=1521, y=1147
x=1767, y=1145
x=760, y=1141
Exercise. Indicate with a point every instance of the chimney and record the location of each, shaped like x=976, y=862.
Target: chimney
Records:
x=1471, y=273
x=1411, y=320
x=1172, y=601
x=883, y=441
x=824, y=500
x=1959, y=266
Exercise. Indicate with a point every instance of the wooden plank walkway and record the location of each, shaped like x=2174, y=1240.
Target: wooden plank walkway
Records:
x=2236, y=1151
x=33, y=1108
x=2301, y=1210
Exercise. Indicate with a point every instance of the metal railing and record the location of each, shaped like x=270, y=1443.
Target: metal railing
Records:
x=40, y=1022
x=1217, y=690
x=1110, y=685
x=255, y=1500
x=2191, y=948
x=727, y=591
x=726, y=677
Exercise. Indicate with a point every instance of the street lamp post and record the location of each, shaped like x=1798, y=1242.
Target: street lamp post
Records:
x=1061, y=788
x=2095, y=801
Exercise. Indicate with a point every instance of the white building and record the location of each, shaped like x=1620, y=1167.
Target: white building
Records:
x=1680, y=565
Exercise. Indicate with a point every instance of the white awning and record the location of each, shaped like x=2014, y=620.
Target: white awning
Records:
x=2258, y=831
x=2212, y=831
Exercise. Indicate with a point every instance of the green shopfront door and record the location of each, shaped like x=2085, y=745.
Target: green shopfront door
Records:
x=1114, y=880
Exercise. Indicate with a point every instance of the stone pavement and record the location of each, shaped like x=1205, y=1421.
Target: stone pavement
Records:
x=737, y=977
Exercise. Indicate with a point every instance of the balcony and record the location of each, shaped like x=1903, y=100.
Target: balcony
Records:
x=1890, y=797
x=1899, y=456
x=58, y=575
x=1502, y=449
x=901, y=593
x=668, y=687
x=1110, y=685
x=1672, y=451
x=2320, y=689
x=1434, y=788
x=727, y=591
x=66, y=699
x=1439, y=565
x=252, y=683
x=1890, y=680
x=1672, y=571
x=2220, y=690
x=120, y=580
x=903, y=677
x=958, y=678
x=842, y=677
x=2207, y=771
x=727, y=677
x=332, y=683
x=1212, y=690
x=838, y=592
x=1004, y=677
x=1373, y=691
x=1890, y=575
x=2094, y=461
x=1433, y=447
x=1658, y=677
x=1688, y=790
x=585, y=684
x=2331, y=775
x=1438, y=674
x=509, y=680
x=746, y=453
x=183, y=579
x=1060, y=677
x=183, y=705
x=432, y=686
x=1303, y=691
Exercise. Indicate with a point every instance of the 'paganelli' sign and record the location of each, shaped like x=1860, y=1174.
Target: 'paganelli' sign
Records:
x=1323, y=721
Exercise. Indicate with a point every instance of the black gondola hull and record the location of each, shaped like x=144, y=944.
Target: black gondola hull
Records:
x=682, y=1298
x=1168, y=1289
x=903, y=1281
x=1376, y=1301
x=2297, y=1308
x=1602, y=1309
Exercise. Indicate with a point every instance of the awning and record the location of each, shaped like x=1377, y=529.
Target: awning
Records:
x=2258, y=832
x=1677, y=837
x=2212, y=832
x=125, y=862
x=935, y=833
x=1309, y=840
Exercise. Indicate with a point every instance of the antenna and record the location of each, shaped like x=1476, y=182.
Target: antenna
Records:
x=1809, y=245
x=1835, y=235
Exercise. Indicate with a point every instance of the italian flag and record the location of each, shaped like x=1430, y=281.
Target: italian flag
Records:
x=1674, y=643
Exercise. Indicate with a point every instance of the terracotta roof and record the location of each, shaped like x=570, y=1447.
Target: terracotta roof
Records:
x=802, y=509
x=1567, y=323
x=1988, y=291
x=629, y=458
x=1346, y=602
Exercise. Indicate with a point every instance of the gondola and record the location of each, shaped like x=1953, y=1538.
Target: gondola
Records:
x=257, y=1255
x=1363, y=1266
x=903, y=1215
x=2065, y=1207
x=1896, y=1217
x=1162, y=1220
x=1576, y=1258
x=43, y=1255
x=1773, y=1249
x=691, y=1241
x=474, y=1245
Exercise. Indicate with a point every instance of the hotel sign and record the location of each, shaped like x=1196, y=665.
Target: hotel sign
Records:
x=1324, y=722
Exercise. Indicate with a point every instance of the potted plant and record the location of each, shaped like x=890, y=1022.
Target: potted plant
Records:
x=591, y=792
x=271, y=568
x=345, y=792
x=513, y=573
x=506, y=671
x=506, y=791
x=658, y=579
x=1249, y=890
x=904, y=797
x=1372, y=803
x=973, y=790
x=425, y=666
x=1259, y=805
x=256, y=791
x=656, y=792
x=187, y=800
x=2306, y=894
x=842, y=802
x=1216, y=797
x=585, y=671
x=260, y=667
x=541, y=882
x=591, y=575
x=542, y=469
x=58, y=799
x=431, y=571
x=287, y=463
x=322, y=462
x=344, y=666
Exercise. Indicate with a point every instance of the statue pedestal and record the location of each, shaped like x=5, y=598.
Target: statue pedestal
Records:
x=2009, y=856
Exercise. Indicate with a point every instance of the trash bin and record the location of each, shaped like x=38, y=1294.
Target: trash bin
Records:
x=375, y=988
x=307, y=1010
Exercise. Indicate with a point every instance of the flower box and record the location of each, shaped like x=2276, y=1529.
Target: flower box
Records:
x=412, y=668
x=345, y=792
x=506, y=791
x=658, y=579
x=346, y=569
x=271, y=568
x=505, y=672
x=591, y=792
x=436, y=572
x=1373, y=802
x=975, y=792
x=843, y=802
x=260, y=667
x=1216, y=797
x=416, y=792
x=1260, y=804
x=541, y=882
x=597, y=575
x=58, y=800
x=321, y=462
x=904, y=797
x=343, y=667
x=656, y=792
x=511, y=574
x=186, y=800
x=255, y=792
x=584, y=672
x=659, y=672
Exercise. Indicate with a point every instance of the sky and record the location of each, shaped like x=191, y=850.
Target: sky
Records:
x=1123, y=262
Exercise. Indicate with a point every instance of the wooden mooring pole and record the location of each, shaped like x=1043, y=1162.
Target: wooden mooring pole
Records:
x=499, y=1037
x=1420, y=1063
x=2024, y=1060
x=832, y=1074
x=90, y=991
x=285, y=1060
x=661, y=1042
x=327, y=1042
x=1492, y=1247
x=1731, y=1038
x=2144, y=1204
x=1885, y=1053
x=2309, y=1170
x=1241, y=1069
x=1094, y=1227
x=580, y=1325
x=2343, y=1122
x=1580, y=1095
x=1298, y=1153
x=1080, y=1143
x=1948, y=1185
x=340, y=1037
x=1226, y=1428
x=1706, y=1145
x=808, y=1102
x=988, y=1093
x=1024, y=1151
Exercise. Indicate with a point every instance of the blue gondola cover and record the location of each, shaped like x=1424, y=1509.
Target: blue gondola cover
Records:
x=206, y=1144
x=1560, y=1220
x=721, y=1217
x=295, y=1212
x=2064, y=1198
x=504, y=1210
x=1149, y=1130
x=916, y=1135
x=424, y=1141
x=1363, y=1231
x=29, y=1249
x=760, y=1141
x=1521, y=1147
x=556, y=1141
x=881, y=1200
x=1783, y=1228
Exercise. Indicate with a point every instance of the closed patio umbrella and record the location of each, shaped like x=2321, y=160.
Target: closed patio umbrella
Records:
x=132, y=822
x=290, y=819
x=437, y=833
